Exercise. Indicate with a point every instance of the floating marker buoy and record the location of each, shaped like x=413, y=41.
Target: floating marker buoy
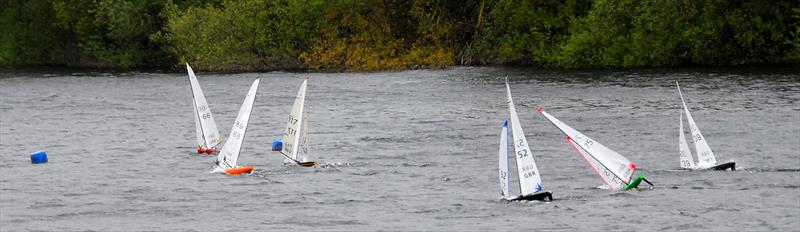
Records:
x=39, y=157
x=277, y=144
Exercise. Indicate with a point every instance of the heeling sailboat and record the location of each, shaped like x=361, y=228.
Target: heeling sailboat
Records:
x=207, y=134
x=229, y=155
x=615, y=170
x=705, y=157
x=530, y=181
x=291, y=135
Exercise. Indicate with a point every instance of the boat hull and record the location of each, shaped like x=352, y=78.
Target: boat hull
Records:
x=207, y=151
x=725, y=166
x=540, y=196
x=307, y=164
x=239, y=170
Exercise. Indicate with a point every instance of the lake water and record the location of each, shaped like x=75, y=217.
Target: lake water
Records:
x=410, y=150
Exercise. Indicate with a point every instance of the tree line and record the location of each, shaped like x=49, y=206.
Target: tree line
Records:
x=364, y=35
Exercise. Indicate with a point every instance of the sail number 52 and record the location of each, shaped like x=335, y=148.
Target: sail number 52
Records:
x=521, y=151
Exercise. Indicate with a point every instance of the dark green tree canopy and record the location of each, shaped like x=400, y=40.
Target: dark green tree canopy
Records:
x=231, y=35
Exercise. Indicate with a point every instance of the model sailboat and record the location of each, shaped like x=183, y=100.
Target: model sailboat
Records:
x=207, y=134
x=705, y=157
x=291, y=135
x=530, y=181
x=229, y=155
x=615, y=170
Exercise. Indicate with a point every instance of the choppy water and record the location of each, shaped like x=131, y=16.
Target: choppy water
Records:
x=412, y=150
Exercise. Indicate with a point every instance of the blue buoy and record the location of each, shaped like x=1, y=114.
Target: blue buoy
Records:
x=277, y=144
x=39, y=157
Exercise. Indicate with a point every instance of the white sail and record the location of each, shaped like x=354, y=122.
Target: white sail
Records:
x=201, y=140
x=209, y=135
x=610, y=180
x=229, y=154
x=291, y=135
x=503, y=161
x=687, y=160
x=529, y=180
x=705, y=157
x=615, y=170
x=303, y=157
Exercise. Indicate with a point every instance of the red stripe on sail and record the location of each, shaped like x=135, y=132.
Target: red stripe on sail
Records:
x=589, y=162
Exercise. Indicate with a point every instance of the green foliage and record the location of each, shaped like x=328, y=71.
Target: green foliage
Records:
x=526, y=32
x=111, y=33
x=794, y=37
x=361, y=35
x=654, y=33
x=243, y=35
x=28, y=35
x=231, y=35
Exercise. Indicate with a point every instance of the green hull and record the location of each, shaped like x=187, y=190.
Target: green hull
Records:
x=635, y=183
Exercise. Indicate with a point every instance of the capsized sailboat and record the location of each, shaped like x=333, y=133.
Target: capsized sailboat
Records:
x=229, y=155
x=615, y=170
x=207, y=134
x=291, y=134
x=705, y=157
x=530, y=181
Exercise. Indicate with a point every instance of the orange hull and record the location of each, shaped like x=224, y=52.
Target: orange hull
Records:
x=239, y=170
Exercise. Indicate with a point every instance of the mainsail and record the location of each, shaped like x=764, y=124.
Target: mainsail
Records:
x=229, y=154
x=529, y=180
x=705, y=157
x=291, y=135
x=207, y=133
x=614, y=169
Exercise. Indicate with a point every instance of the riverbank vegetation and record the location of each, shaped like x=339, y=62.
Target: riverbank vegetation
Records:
x=365, y=35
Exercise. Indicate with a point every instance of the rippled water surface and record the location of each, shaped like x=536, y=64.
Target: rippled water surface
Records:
x=412, y=150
